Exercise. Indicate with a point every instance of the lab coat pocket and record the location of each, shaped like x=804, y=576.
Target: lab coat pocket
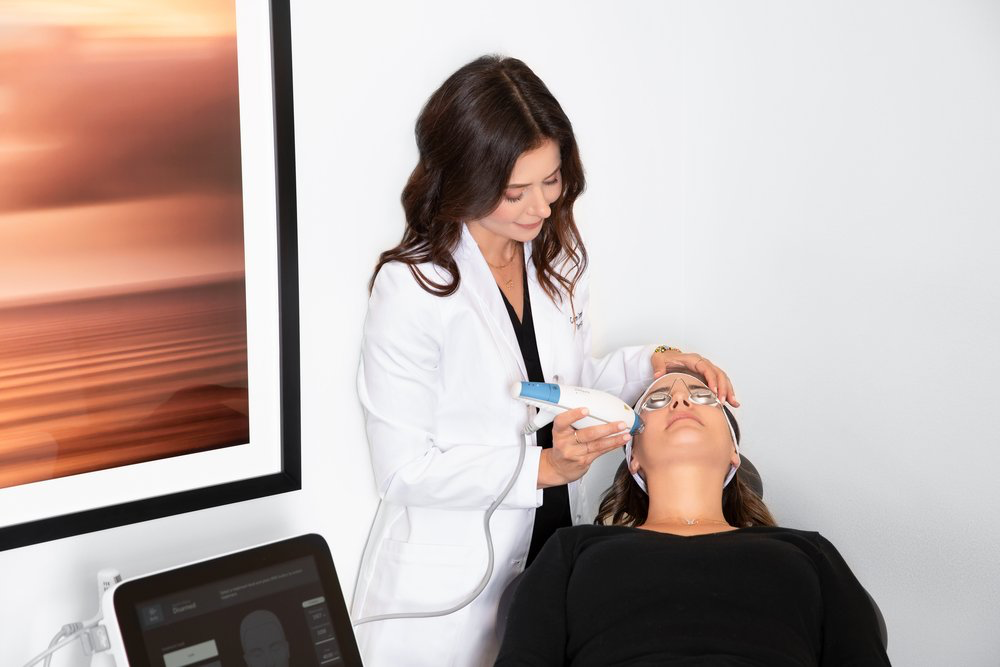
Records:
x=411, y=576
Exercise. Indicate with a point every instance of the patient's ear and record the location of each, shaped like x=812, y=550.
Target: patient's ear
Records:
x=735, y=459
x=633, y=465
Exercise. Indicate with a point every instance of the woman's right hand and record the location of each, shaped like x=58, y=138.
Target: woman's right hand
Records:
x=574, y=450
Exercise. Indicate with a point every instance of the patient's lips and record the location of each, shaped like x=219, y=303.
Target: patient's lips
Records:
x=677, y=416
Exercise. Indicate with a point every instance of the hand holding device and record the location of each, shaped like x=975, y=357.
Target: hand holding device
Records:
x=602, y=422
x=553, y=399
x=573, y=450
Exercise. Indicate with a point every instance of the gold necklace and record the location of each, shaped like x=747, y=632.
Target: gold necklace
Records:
x=500, y=268
x=508, y=284
x=688, y=522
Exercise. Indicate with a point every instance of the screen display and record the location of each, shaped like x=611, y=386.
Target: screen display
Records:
x=279, y=615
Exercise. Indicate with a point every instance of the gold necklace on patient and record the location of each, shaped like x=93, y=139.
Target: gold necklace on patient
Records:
x=689, y=522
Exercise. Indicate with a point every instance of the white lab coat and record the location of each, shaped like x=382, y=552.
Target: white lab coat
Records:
x=445, y=436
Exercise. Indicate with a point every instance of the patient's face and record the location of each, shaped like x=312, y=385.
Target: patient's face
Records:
x=686, y=425
x=263, y=638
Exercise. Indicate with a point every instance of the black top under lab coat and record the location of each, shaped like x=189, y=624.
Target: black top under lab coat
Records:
x=554, y=512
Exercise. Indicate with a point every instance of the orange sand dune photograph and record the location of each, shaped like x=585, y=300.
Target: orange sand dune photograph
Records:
x=122, y=293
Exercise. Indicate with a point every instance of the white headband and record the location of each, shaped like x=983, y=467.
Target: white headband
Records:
x=628, y=445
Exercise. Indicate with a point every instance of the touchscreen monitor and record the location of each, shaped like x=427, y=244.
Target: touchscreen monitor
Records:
x=276, y=605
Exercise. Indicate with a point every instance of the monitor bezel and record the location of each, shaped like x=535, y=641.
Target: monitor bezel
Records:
x=131, y=593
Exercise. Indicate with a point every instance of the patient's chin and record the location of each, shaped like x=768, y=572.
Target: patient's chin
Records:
x=686, y=436
x=690, y=446
x=682, y=422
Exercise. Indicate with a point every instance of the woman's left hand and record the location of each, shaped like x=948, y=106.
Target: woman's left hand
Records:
x=717, y=379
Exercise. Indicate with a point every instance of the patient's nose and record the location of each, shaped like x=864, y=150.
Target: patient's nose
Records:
x=681, y=401
x=679, y=394
x=681, y=397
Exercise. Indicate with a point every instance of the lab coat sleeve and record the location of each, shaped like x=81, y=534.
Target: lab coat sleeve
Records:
x=398, y=384
x=625, y=372
x=536, y=631
x=850, y=630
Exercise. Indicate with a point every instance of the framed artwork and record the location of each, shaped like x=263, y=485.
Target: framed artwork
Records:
x=149, y=354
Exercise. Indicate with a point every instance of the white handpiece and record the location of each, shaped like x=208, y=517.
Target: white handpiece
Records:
x=552, y=399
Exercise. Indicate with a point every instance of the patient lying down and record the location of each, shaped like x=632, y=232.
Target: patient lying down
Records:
x=692, y=572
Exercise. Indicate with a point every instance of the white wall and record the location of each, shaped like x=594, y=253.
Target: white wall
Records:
x=817, y=180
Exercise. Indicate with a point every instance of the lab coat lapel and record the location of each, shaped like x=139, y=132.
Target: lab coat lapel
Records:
x=477, y=275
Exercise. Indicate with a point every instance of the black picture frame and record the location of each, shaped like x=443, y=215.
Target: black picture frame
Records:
x=289, y=477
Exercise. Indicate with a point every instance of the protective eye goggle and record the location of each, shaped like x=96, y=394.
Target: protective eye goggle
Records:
x=663, y=397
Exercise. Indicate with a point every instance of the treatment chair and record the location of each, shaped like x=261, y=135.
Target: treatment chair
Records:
x=752, y=477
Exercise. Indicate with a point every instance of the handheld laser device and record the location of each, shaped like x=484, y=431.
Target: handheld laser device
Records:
x=553, y=399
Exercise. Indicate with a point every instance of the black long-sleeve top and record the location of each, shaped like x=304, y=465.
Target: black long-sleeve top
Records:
x=613, y=595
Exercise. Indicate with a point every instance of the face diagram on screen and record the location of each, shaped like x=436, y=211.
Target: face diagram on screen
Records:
x=263, y=639
x=122, y=291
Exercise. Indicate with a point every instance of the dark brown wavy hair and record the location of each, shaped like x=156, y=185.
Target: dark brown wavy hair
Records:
x=469, y=135
x=625, y=504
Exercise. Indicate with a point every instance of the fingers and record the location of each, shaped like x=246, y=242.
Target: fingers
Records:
x=594, y=440
x=593, y=433
x=719, y=383
x=663, y=361
x=563, y=421
x=727, y=386
x=574, y=450
x=601, y=439
x=605, y=445
x=717, y=380
x=713, y=377
x=588, y=451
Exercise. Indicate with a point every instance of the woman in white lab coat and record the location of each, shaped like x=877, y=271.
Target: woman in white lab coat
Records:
x=487, y=287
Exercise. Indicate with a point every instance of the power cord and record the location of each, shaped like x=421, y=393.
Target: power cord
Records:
x=490, y=554
x=489, y=550
x=54, y=646
x=55, y=640
x=93, y=635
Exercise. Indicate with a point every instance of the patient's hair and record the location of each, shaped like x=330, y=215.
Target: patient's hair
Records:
x=625, y=504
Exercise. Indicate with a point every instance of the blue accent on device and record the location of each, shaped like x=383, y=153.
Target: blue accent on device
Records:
x=541, y=391
x=636, y=425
